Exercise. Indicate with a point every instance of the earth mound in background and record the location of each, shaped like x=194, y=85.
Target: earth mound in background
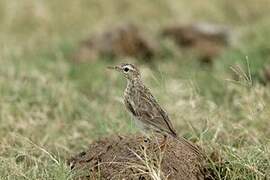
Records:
x=207, y=40
x=122, y=41
x=135, y=157
x=266, y=74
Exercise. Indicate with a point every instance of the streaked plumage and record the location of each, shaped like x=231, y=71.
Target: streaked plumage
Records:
x=143, y=106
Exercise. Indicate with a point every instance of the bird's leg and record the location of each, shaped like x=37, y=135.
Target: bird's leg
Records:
x=163, y=143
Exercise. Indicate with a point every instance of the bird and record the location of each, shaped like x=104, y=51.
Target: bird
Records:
x=149, y=116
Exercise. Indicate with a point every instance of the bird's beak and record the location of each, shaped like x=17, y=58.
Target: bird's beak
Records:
x=110, y=67
x=117, y=68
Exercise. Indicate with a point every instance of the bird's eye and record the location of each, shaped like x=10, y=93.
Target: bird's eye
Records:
x=126, y=69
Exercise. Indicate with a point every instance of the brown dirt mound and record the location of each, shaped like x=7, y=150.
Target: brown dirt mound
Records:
x=207, y=40
x=266, y=74
x=135, y=157
x=126, y=40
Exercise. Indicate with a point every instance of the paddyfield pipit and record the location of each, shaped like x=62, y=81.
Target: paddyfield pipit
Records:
x=139, y=101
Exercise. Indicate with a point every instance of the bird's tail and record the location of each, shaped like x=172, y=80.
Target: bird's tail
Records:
x=196, y=149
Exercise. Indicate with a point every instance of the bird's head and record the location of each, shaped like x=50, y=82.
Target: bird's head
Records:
x=129, y=71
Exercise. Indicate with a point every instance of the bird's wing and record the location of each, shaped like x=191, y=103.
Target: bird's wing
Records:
x=150, y=112
x=130, y=107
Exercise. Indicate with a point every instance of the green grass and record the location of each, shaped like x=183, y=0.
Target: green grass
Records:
x=51, y=108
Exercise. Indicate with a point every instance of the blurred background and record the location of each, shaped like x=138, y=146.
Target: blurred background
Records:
x=208, y=62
